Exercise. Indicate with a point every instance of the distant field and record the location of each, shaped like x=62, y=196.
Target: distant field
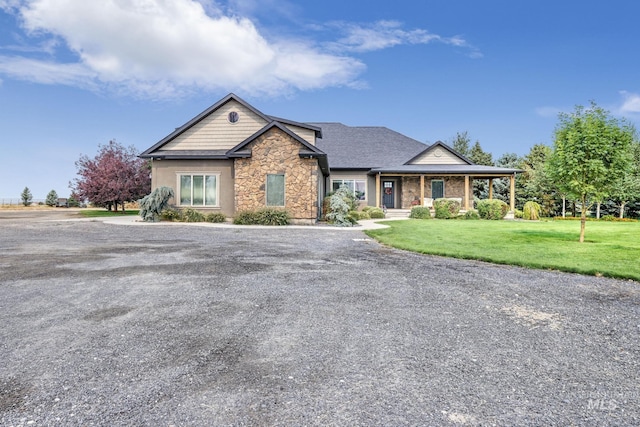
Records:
x=610, y=249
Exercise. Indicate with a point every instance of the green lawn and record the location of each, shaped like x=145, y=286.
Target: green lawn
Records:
x=99, y=213
x=610, y=249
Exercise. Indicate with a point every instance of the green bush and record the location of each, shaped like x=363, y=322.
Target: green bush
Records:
x=518, y=214
x=358, y=215
x=171, y=214
x=192, y=215
x=420, y=212
x=446, y=208
x=267, y=216
x=471, y=214
x=608, y=218
x=376, y=213
x=531, y=211
x=367, y=208
x=246, y=218
x=492, y=209
x=215, y=217
x=270, y=216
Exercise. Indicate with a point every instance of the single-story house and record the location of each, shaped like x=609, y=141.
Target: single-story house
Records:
x=232, y=157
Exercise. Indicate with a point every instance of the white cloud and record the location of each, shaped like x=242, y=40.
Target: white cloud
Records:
x=386, y=34
x=630, y=104
x=161, y=48
x=167, y=48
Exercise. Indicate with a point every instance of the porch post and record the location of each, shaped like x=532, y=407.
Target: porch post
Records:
x=377, y=190
x=421, y=190
x=512, y=193
x=490, y=188
x=466, y=192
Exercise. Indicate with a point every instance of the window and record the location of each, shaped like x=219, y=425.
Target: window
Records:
x=198, y=190
x=233, y=117
x=275, y=190
x=358, y=186
x=437, y=189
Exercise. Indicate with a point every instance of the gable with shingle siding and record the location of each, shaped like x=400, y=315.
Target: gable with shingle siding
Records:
x=215, y=132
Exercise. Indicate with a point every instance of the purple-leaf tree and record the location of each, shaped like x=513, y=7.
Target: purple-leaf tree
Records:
x=115, y=176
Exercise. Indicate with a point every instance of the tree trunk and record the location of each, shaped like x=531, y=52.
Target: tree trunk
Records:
x=564, y=207
x=598, y=210
x=583, y=218
x=622, y=205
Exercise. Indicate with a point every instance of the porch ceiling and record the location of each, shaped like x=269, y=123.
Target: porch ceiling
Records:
x=438, y=170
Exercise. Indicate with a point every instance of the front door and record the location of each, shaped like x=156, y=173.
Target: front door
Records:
x=388, y=194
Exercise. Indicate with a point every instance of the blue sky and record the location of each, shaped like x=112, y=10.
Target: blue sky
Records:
x=75, y=74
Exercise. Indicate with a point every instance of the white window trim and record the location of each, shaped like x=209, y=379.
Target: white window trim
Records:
x=178, y=186
x=284, y=190
x=366, y=186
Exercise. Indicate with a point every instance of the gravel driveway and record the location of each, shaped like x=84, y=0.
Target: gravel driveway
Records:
x=178, y=325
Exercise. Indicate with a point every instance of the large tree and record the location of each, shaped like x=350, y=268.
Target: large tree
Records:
x=115, y=176
x=591, y=150
x=461, y=143
x=627, y=186
x=535, y=183
x=480, y=157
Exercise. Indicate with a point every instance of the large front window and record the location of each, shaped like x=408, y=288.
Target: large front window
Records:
x=275, y=190
x=198, y=190
x=358, y=186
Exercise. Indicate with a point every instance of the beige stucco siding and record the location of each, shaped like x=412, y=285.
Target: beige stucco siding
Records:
x=166, y=173
x=438, y=156
x=214, y=132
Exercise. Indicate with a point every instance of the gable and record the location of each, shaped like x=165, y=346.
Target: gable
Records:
x=438, y=154
x=215, y=132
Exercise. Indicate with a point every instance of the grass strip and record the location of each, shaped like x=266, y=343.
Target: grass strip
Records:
x=611, y=249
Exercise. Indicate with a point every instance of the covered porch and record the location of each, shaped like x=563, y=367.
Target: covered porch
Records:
x=419, y=185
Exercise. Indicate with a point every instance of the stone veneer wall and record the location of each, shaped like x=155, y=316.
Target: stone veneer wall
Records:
x=453, y=187
x=275, y=152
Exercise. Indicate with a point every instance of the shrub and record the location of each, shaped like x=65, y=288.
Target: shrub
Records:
x=267, y=216
x=358, y=215
x=171, y=214
x=420, y=212
x=192, y=215
x=446, y=208
x=518, y=214
x=152, y=205
x=270, y=216
x=492, y=209
x=215, y=217
x=608, y=218
x=471, y=214
x=340, y=204
x=531, y=211
x=246, y=218
x=376, y=213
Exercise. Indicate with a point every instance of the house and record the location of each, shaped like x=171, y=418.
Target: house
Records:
x=232, y=157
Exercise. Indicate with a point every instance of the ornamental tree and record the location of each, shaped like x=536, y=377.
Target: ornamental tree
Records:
x=591, y=151
x=26, y=196
x=115, y=176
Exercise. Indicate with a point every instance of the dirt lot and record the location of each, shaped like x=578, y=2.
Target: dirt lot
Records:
x=178, y=325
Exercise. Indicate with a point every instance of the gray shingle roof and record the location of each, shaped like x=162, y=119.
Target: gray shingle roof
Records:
x=365, y=147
